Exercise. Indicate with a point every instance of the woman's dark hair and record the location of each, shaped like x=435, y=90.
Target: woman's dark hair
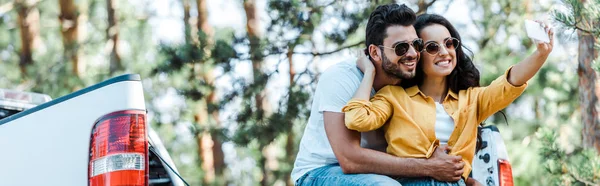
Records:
x=464, y=75
x=383, y=17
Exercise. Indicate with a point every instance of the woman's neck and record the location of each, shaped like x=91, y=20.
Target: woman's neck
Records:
x=434, y=87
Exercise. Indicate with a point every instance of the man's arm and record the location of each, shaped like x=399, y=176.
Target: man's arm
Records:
x=354, y=159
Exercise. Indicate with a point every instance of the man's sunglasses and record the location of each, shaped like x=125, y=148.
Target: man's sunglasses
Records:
x=402, y=48
x=433, y=48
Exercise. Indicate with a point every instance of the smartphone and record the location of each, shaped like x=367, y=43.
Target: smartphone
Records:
x=536, y=31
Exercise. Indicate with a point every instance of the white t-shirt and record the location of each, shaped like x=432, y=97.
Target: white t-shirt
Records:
x=335, y=88
x=444, y=124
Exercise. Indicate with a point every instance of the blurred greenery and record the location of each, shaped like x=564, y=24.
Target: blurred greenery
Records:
x=230, y=102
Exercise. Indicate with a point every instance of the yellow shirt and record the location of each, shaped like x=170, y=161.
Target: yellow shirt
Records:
x=409, y=117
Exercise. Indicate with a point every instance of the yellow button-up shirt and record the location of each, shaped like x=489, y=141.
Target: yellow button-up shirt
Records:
x=409, y=117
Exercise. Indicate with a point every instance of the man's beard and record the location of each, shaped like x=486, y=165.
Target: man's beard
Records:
x=394, y=69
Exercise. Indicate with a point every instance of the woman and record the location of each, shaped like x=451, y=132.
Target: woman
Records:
x=444, y=103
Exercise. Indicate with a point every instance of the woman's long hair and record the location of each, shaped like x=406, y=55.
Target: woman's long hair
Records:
x=464, y=75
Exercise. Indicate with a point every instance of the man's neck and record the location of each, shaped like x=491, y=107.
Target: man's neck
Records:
x=434, y=87
x=383, y=79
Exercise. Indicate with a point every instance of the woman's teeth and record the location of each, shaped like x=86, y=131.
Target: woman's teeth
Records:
x=442, y=63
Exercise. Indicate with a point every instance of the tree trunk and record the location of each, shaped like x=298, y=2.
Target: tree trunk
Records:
x=262, y=104
x=213, y=158
x=203, y=17
x=263, y=169
x=589, y=89
x=203, y=139
x=69, y=25
x=289, y=146
x=254, y=34
x=29, y=21
x=112, y=34
x=186, y=21
x=216, y=150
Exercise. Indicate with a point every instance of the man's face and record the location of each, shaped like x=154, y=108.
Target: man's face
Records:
x=403, y=67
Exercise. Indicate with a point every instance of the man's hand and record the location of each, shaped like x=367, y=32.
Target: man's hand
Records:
x=472, y=182
x=364, y=64
x=444, y=167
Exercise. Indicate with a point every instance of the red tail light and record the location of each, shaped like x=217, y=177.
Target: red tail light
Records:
x=506, y=178
x=119, y=150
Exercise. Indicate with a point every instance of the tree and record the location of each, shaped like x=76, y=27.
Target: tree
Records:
x=193, y=62
x=584, y=17
x=256, y=56
x=579, y=166
x=28, y=21
x=261, y=103
x=112, y=34
x=69, y=22
x=210, y=145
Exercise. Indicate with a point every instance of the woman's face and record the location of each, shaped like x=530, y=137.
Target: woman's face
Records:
x=442, y=63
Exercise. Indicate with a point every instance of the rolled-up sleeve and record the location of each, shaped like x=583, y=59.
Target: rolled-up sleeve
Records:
x=363, y=115
x=497, y=96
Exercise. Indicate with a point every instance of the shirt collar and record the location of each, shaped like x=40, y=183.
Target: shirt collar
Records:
x=414, y=90
x=453, y=94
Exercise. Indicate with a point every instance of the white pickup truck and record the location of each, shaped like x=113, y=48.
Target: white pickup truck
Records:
x=95, y=136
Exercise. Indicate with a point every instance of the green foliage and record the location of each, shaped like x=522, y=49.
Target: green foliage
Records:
x=580, y=167
x=574, y=166
x=579, y=16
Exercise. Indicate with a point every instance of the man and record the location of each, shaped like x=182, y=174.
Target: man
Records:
x=331, y=154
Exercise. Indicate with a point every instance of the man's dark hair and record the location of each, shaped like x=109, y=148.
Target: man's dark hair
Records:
x=464, y=75
x=383, y=17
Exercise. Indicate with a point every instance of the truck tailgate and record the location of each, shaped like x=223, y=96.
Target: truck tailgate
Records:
x=49, y=144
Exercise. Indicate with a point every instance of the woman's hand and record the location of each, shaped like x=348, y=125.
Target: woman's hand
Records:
x=524, y=70
x=543, y=47
x=364, y=64
x=366, y=84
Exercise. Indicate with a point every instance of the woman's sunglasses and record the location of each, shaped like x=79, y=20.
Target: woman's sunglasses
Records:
x=402, y=48
x=433, y=48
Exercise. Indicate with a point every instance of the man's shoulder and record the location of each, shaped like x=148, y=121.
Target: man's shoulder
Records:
x=345, y=69
x=348, y=65
x=339, y=81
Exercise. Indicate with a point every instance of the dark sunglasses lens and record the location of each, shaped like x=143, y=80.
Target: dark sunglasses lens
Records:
x=418, y=44
x=401, y=49
x=432, y=48
x=452, y=43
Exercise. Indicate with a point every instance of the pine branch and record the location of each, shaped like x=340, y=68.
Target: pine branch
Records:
x=333, y=51
x=431, y=3
x=310, y=53
x=575, y=18
x=576, y=27
x=581, y=180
